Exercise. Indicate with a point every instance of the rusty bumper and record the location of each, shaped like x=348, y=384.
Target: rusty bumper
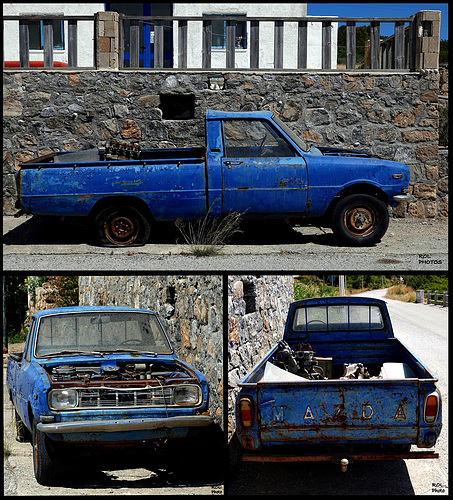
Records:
x=123, y=425
x=336, y=457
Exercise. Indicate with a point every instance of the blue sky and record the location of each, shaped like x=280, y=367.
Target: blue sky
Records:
x=380, y=10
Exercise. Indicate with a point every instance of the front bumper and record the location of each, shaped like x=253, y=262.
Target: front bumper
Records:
x=125, y=425
x=404, y=197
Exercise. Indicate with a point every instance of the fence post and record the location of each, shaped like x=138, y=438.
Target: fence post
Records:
x=182, y=43
x=72, y=43
x=48, y=43
x=278, y=44
x=427, y=39
x=107, y=40
x=428, y=299
x=419, y=296
x=445, y=301
x=24, y=44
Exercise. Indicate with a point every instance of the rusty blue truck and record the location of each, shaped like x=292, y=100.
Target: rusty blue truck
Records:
x=252, y=164
x=338, y=387
x=98, y=377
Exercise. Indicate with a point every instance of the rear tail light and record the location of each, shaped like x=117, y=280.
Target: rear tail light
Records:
x=246, y=412
x=431, y=407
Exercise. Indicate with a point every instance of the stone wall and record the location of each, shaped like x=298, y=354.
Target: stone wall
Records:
x=257, y=310
x=190, y=308
x=392, y=115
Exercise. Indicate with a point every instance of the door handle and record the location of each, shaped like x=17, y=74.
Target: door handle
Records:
x=230, y=164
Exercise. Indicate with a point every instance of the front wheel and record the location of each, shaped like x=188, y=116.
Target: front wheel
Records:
x=121, y=226
x=43, y=462
x=360, y=219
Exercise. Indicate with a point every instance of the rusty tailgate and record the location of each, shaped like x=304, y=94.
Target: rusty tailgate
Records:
x=340, y=411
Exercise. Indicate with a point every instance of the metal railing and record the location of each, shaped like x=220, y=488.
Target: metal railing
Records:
x=47, y=40
x=403, y=38
x=171, y=39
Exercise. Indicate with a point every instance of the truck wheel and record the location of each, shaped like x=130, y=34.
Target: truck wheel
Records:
x=23, y=434
x=43, y=463
x=360, y=219
x=121, y=226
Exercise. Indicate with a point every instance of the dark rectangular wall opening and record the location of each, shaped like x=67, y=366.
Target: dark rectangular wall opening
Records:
x=177, y=106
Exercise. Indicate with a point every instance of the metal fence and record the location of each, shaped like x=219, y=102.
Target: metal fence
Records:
x=133, y=33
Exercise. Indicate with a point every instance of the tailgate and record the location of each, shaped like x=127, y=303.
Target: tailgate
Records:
x=354, y=411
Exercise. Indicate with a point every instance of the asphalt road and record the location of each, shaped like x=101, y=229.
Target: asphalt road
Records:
x=423, y=329
x=39, y=244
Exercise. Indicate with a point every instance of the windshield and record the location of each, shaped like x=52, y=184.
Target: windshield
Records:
x=344, y=317
x=297, y=140
x=97, y=332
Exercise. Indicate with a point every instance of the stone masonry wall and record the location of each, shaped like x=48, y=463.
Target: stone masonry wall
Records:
x=392, y=115
x=190, y=308
x=257, y=310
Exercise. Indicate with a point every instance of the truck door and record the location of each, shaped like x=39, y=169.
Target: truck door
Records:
x=261, y=171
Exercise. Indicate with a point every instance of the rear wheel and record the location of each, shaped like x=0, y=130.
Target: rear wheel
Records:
x=360, y=219
x=121, y=226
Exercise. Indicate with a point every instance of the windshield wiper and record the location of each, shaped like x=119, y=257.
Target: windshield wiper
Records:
x=130, y=350
x=62, y=353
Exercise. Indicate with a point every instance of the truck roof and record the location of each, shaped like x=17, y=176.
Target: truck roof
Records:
x=212, y=114
x=340, y=300
x=77, y=309
x=320, y=328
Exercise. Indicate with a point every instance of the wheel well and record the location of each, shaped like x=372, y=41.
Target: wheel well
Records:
x=30, y=416
x=130, y=201
x=363, y=188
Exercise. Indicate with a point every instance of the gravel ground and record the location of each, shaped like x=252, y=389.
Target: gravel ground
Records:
x=37, y=243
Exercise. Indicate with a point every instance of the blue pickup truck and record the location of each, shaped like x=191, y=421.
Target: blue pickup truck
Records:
x=99, y=376
x=252, y=164
x=339, y=387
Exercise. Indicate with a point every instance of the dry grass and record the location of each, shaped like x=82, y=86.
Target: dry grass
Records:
x=401, y=292
x=207, y=236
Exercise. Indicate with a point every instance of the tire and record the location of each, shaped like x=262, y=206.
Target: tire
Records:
x=121, y=226
x=23, y=434
x=360, y=220
x=43, y=464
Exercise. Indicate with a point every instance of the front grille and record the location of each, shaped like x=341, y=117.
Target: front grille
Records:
x=113, y=397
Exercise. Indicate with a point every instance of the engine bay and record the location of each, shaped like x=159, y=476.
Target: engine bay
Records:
x=112, y=371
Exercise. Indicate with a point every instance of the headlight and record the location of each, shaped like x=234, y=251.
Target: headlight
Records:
x=187, y=395
x=63, y=399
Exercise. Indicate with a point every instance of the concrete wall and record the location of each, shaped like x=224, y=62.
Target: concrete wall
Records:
x=257, y=310
x=190, y=308
x=392, y=115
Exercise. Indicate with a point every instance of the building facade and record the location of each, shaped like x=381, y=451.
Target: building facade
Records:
x=86, y=35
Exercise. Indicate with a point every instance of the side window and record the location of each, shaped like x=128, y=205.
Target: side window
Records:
x=27, y=355
x=254, y=139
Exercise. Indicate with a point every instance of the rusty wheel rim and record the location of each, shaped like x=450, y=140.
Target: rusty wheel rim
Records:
x=121, y=230
x=360, y=221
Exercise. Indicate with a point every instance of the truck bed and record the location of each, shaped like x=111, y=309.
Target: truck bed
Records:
x=82, y=158
x=295, y=410
x=372, y=354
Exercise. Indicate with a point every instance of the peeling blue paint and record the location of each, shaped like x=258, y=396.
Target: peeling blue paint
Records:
x=281, y=179
x=339, y=411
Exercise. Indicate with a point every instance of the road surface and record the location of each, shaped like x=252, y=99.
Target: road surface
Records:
x=39, y=244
